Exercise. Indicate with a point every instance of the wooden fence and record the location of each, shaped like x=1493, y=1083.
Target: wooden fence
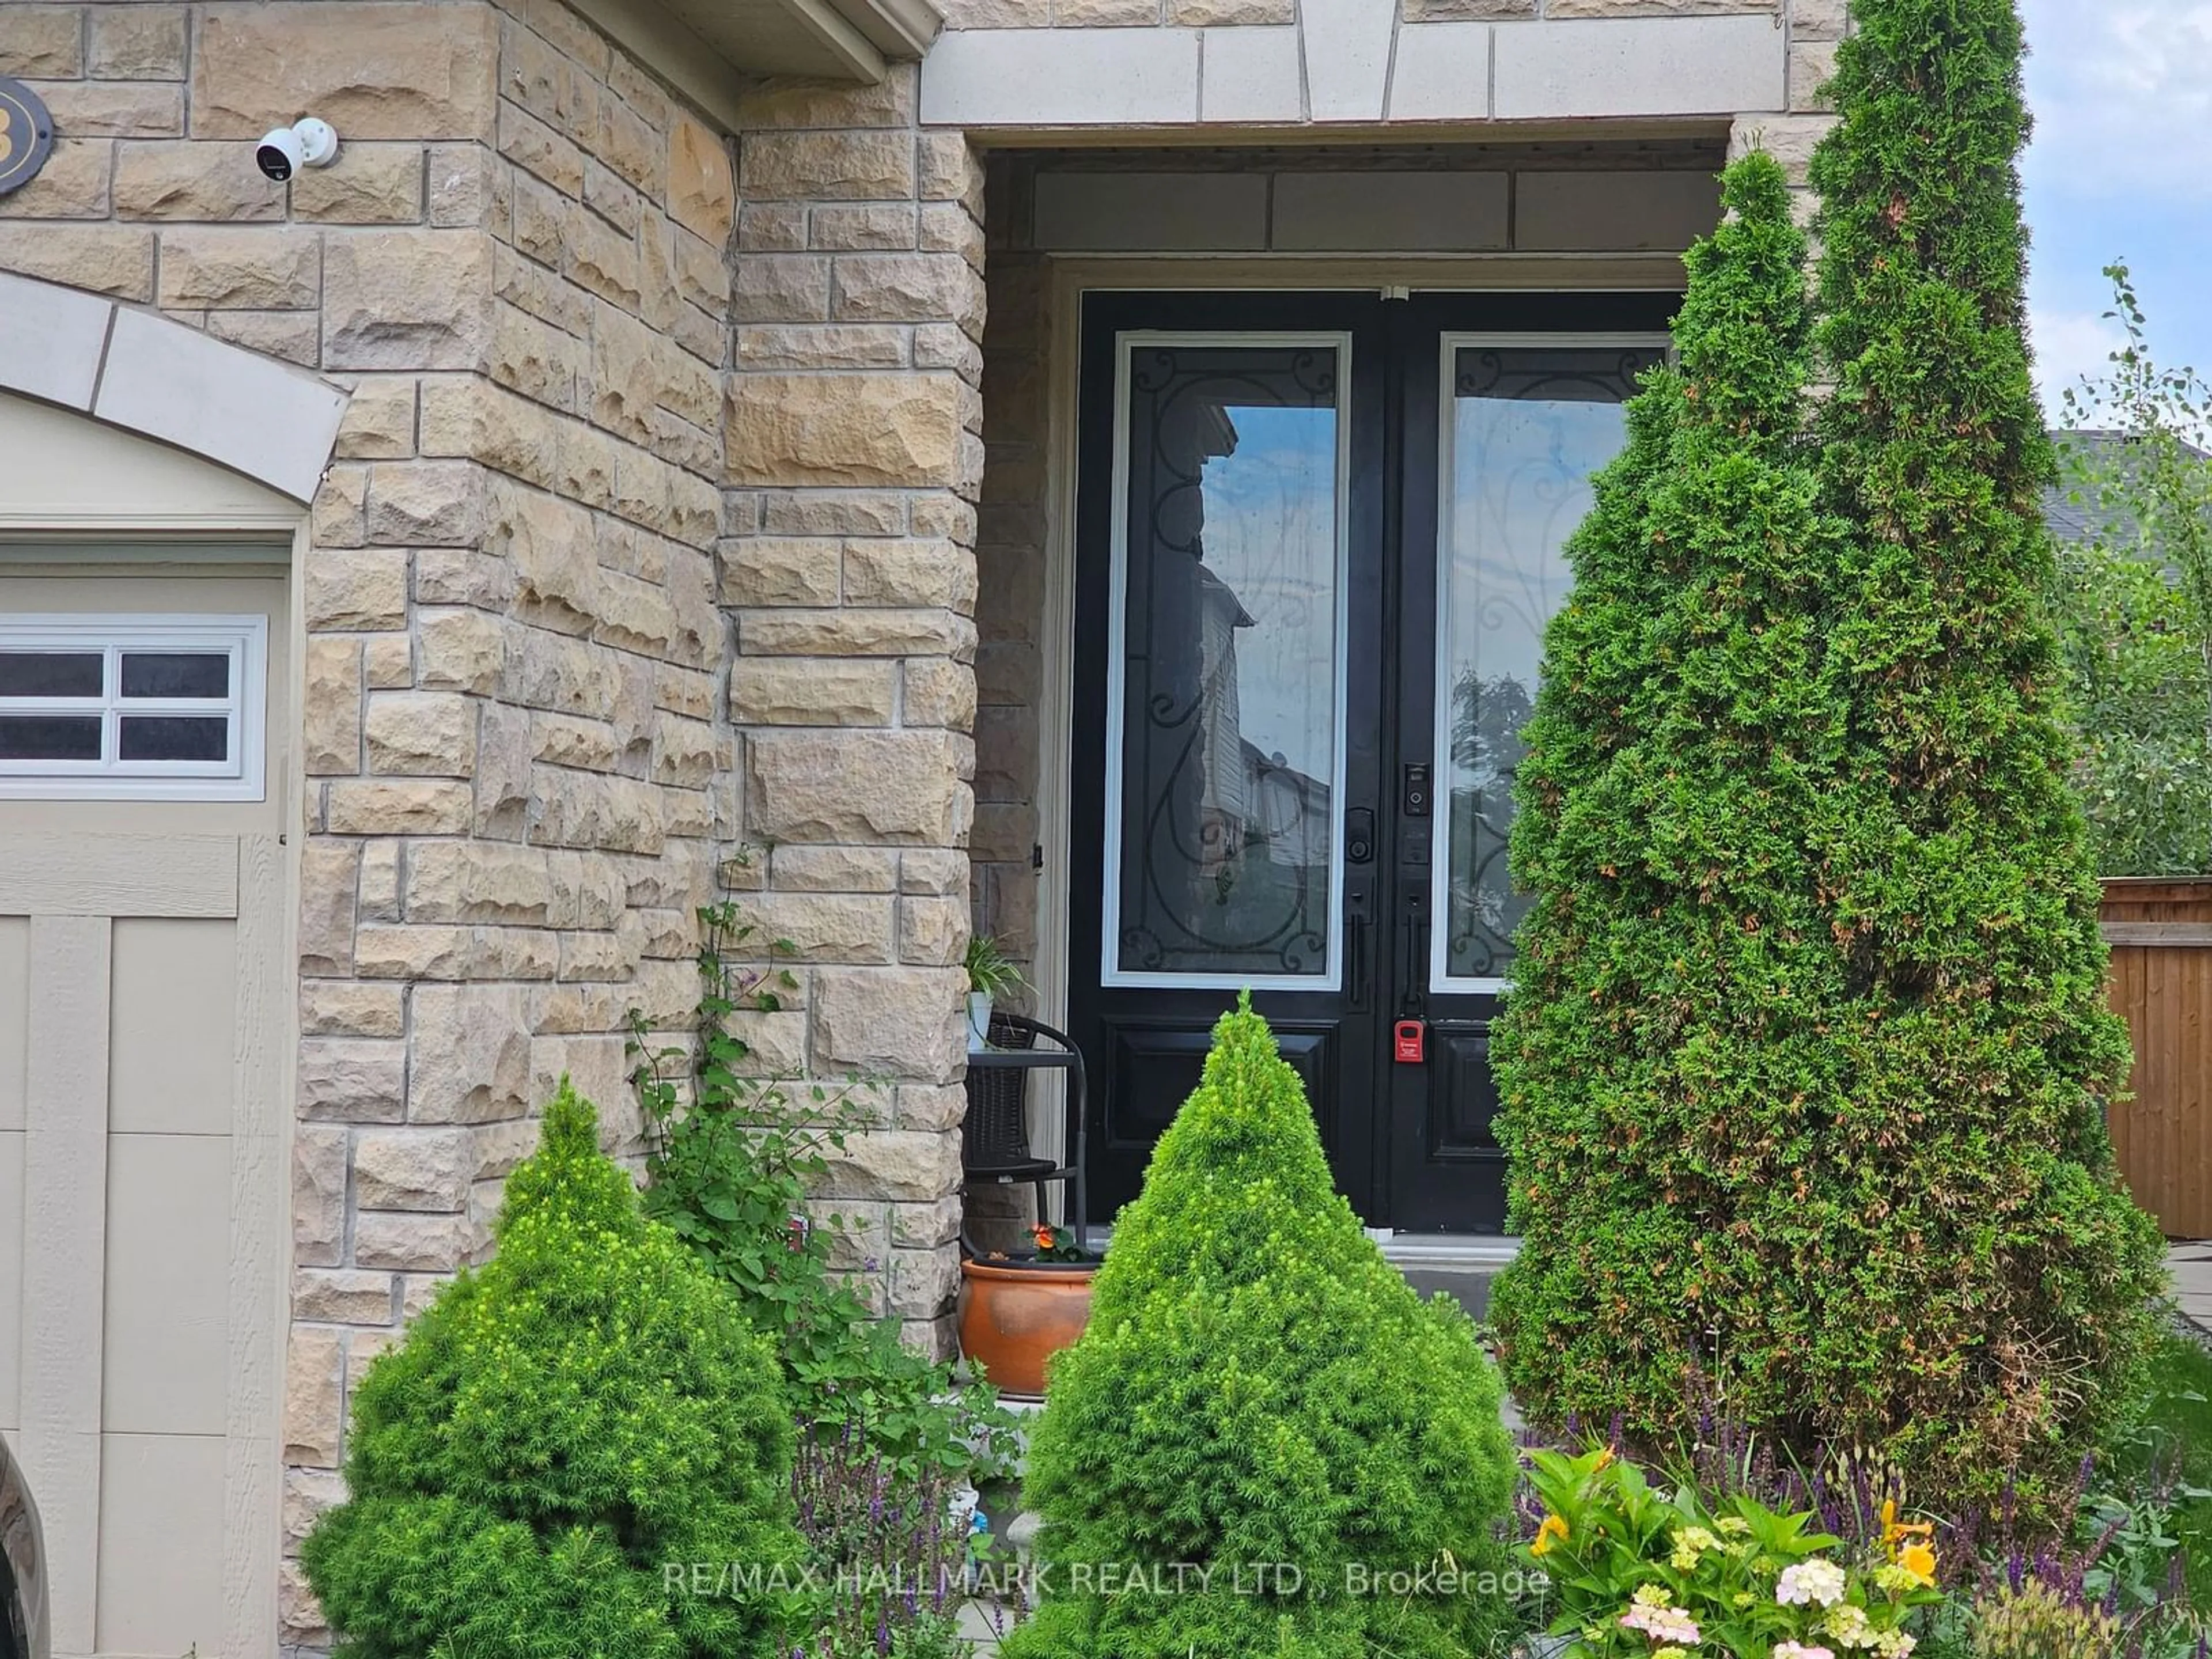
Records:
x=2160, y=931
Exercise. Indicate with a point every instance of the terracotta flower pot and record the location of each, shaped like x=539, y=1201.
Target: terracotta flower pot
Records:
x=1014, y=1316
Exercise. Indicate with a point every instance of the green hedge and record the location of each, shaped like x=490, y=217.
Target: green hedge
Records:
x=1668, y=1057
x=1259, y=1389
x=1990, y=1278
x=1806, y=1063
x=560, y=1427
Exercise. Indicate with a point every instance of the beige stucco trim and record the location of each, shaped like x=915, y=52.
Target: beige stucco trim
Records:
x=64, y=1257
x=71, y=474
x=1366, y=134
x=263, y=1051
x=707, y=49
x=1539, y=273
x=139, y=371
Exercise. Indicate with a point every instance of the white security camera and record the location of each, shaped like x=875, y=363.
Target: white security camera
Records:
x=308, y=143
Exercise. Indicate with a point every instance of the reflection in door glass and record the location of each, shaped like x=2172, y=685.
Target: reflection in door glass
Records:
x=1225, y=721
x=1527, y=427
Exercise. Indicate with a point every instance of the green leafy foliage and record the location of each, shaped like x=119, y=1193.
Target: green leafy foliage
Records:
x=1261, y=1396
x=2033, y=1622
x=991, y=971
x=1633, y=1566
x=2133, y=601
x=1986, y=1282
x=734, y=1158
x=1805, y=1068
x=1668, y=1059
x=2157, y=1478
x=558, y=1428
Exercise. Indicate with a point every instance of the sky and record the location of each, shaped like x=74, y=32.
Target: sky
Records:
x=2120, y=169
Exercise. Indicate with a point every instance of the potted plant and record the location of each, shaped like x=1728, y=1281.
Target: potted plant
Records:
x=1019, y=1310
x=991, y=974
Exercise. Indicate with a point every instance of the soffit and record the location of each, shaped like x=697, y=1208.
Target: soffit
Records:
x=705, y=47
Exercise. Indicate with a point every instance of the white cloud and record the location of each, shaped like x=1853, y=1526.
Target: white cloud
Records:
x=2070, y=345
x=2121, y=92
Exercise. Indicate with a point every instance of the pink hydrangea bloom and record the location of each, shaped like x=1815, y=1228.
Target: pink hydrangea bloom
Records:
x=1669, y=1624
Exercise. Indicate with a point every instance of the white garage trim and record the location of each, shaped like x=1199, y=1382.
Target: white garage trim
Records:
x=139, y=371
x=242, y=642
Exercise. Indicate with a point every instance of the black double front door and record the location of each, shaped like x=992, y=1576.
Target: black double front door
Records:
x=1319, y=536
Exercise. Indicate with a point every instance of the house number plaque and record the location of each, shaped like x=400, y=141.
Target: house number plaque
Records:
x=27, y=134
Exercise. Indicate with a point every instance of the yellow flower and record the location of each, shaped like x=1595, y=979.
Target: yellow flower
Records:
x=1919, y=1561
x=1689, y=1543
x=1552, y=1531
x=1894, y=1530
x=1605, y=1460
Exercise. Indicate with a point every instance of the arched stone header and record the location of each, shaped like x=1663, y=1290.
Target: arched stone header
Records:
x=139, y=371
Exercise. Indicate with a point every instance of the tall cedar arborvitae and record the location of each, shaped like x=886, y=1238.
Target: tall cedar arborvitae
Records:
x=1982, y=1280
x=1668, y=1056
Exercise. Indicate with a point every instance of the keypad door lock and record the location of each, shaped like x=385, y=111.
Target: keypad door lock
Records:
x=1414, y=795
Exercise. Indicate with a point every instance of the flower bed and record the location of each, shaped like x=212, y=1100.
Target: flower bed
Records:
x=1639, y=1570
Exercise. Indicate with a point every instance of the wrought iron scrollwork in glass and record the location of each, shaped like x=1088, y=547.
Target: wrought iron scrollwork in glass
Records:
x=1227, y=722
x=1527, y=426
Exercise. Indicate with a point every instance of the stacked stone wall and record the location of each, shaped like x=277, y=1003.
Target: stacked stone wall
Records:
x=855, y=454
x=519, y=771
x=1010, y=615
x=1816, y=28
x=651, y=538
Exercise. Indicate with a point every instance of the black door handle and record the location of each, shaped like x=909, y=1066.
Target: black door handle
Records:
x=1413, y=994
x=1356, y=971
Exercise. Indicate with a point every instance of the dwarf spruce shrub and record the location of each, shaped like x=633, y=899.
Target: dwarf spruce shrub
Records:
x=559, y=1429
x=1668, y=1057
x=1984, y=1278
x=1261, y=1396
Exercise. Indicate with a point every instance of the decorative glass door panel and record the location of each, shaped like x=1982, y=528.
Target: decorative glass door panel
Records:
x=1318, y=536
x=1524, y=426
x=1226, y=709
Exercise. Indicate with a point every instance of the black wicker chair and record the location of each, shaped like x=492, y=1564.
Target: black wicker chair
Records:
x=994, y=1138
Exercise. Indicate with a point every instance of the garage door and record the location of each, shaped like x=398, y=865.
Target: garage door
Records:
x=142, y=1134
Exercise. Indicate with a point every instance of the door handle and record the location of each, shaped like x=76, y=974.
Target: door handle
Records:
x=1413, y=997
x=1356, y=971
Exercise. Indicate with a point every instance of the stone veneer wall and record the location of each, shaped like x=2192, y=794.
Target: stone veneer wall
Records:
x=568, y=488
x=1011, y=553
x=855, y=455
x=517, y=771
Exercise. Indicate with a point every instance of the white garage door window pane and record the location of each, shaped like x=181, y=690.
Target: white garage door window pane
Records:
x=102, y=708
